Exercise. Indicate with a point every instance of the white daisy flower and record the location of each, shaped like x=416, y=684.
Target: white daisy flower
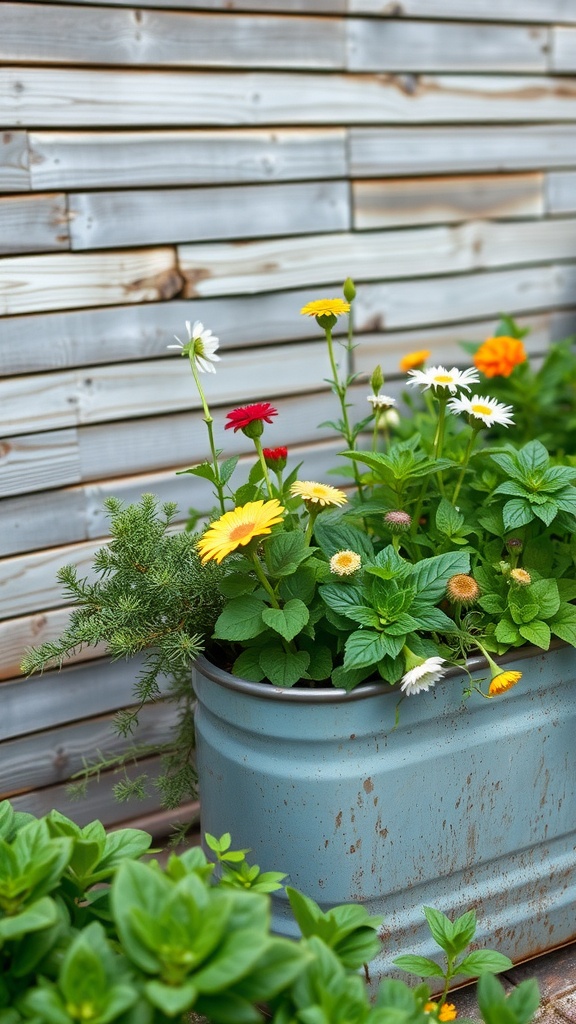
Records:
x=202, y=344
x=440, y=377
x=422, y=676
x=486, y=409
x=381, y=401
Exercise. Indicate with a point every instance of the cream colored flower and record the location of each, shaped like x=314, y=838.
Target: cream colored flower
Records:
x=486, y=409
x=422, y=676
x=439, y=377
x=345, y=562
x=318, y=494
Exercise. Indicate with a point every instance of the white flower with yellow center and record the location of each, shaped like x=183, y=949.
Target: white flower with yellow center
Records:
x=486, y=409
x=424, y=674
x=345, y=562
x=440, y=377
x=201, y=346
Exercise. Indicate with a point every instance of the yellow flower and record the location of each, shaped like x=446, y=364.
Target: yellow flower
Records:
x=502, y=682
x=447, y=1011
x=345, y=562
x=238, y=527
x=326, y=307
x=414, y=360
x=521, y=577
x=318, y=494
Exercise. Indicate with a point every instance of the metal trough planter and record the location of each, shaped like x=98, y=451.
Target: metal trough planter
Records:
x=463, y=804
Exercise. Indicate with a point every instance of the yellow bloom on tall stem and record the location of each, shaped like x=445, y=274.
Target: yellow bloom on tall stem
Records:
x=318, y=494
x=326, y=307
x=238, y=527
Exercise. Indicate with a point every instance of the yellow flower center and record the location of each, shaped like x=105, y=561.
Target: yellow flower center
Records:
x=482, y=410
x=443, y=378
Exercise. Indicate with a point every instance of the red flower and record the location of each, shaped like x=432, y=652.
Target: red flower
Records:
x=261, y=412
x=275, y=454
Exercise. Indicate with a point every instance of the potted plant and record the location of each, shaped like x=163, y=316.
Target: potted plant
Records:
x=352, y=719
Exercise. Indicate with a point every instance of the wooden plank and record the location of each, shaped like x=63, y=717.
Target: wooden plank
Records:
x=561, y=192
x=101, y=220
x=223, y=269
x=28, y=583
x=17, y=635
x=14, y=169
x=135, y=389
x=281, y=6
x=73, y=280
x=99, y=801
x=76, y=97
x=35, y=463
x=377, y=152
x=399, y=45
x=563, y=50
x=49, y=701
x=391, y=202
x=60, y=34
x=53, y=756
x=133, y=159
x=42, y=520
x=121, y=333
x=442, y=299
x=491, y=10
x=33, y=224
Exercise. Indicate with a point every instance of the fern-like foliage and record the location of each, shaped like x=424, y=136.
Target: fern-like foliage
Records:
x=152, y=597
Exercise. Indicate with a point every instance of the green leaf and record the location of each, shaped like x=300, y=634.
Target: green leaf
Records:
x=533, y=458
x=536, y=632
x=516, y=513
x=421, y=966
x=172, y=1000
x=563, y=624
x=333, y=536
x=301, y=583
x=524, y=1000
x=507, y=632
x=241, y=619
x=227, y=468
x=523, y=606
x=289, y=620
x=547, y=595
x=441, y=929
x=448, y=519
x=247, y=665
x=284, y=668
x=35, y=917
x=364, y=648
x=284, y=552
x=205, y=470
x=481, y=960
x=341, y=597
x=236, y=584
x=430, y=575
x=492, y=603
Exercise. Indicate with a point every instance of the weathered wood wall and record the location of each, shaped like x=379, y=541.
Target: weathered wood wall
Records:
x=227, y=160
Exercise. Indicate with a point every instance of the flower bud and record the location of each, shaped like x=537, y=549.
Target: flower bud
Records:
x=462, y=589
x=520, y=577
x=349, y=290
x=515, y=545
x=398, y=521
x=377, y=380
x=275, y=458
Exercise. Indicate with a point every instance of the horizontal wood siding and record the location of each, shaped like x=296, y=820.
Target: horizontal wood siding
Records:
x=228, y=161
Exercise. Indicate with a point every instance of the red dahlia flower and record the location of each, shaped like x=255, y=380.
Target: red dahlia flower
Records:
x=273, y=455
x=261, y=412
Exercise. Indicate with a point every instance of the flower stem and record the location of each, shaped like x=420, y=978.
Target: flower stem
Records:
x=209, y=421
x=264, y=580
x=340, y=390
x=260, y=453
x=439, y=436
x=467, y=454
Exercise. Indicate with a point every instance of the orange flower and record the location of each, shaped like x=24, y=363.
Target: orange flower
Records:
x=497, y=357
x=414, y=360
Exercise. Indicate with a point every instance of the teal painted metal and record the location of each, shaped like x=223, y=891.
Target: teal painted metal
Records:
x=461, y=805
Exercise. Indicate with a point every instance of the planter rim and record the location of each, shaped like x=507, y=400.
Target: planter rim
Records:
x=332, y=695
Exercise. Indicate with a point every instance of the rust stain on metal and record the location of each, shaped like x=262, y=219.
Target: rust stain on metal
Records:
x=368, y=785
x=338, y=819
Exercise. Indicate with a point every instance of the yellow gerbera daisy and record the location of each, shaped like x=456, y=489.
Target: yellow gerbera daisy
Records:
x=239, y=527
x=502, y=682
x=318, y=494
x=326, y=307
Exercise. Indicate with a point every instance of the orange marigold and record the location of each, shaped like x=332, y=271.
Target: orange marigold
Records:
x=497, y=357
x=414, y=359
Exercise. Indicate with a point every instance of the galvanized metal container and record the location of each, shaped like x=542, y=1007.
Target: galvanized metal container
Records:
x=461, y=804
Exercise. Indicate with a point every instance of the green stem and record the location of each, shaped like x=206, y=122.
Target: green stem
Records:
x=439, y=436
x=312, y=514
x=209, y=421
x=340, y=390
x=260, y=453
x=264, y=580
x=467, y=454
x=448, y=979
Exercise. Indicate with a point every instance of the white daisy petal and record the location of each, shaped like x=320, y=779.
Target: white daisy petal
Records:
x=440, y=377
x=423, y=676
x=381, y=401
x=483, y=408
